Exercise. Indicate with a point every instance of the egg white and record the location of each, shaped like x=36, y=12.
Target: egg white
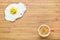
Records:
x=21, y=9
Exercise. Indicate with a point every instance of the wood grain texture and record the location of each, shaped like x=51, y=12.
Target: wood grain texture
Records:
x=25, y=28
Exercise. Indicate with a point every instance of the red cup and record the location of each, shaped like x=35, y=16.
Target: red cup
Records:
x=49, y=31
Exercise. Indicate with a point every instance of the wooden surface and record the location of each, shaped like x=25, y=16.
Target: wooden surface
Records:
x=25, y=28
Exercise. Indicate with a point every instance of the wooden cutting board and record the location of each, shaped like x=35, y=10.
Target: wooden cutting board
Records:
x=25, y=28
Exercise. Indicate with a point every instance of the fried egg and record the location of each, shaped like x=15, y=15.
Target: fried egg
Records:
x=14, y=11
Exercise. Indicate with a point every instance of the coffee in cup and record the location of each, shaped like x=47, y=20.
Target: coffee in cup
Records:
x=44, y=30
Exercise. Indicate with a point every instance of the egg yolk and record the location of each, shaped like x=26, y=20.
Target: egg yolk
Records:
x=13, y=10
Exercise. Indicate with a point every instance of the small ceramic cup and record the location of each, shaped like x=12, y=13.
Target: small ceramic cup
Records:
x=49, y=30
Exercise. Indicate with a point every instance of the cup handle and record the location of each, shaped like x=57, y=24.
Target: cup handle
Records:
x=52, y=30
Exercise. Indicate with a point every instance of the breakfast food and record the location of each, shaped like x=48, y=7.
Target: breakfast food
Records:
x=14, y=11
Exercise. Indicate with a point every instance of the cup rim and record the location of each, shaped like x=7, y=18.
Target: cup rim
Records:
x=40, y=33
